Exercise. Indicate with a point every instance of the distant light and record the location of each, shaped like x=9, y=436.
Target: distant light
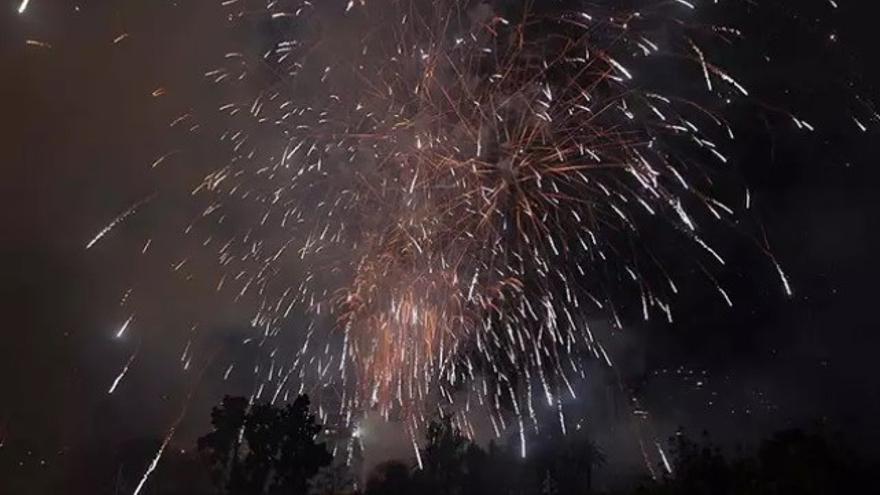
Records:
x=23, y=6
x=357, y=433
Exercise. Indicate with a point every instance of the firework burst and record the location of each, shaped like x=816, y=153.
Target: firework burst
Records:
x=453, y=190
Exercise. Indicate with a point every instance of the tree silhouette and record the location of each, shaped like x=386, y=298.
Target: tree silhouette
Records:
x=390, y=478
x=575, y=461
x=560, y=463
x=335, y=479
x=700, y=468
x=262, y=448
x=454, y=465
x=790, y=462
x=795, y=461
x=443, y=459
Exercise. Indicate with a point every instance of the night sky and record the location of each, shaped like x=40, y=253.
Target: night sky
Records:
x=81, y=127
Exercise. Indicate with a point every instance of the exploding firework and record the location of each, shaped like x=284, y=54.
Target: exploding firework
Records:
x=452, y=191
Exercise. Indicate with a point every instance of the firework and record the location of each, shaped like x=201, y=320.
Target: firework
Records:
x=452, y=191
x=467, y=179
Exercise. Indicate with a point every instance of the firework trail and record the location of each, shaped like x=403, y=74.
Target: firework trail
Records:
x=118, y=220
x=453, y=190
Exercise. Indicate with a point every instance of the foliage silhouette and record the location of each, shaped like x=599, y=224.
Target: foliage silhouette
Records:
x=790, y=462
x=455, y=465
x=262, y=448
x=335, y=479
x=390, y=478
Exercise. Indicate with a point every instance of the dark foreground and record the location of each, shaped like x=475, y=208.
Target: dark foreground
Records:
x=265, y=449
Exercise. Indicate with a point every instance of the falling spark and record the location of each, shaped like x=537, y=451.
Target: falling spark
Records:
x=124, y=327
x=666, y=464
x=155, y=462
x=116, y=221
x=122, y=373
x=41, y=44
x=783, y=277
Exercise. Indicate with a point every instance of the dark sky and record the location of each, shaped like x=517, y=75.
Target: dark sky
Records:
x=80, y=129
